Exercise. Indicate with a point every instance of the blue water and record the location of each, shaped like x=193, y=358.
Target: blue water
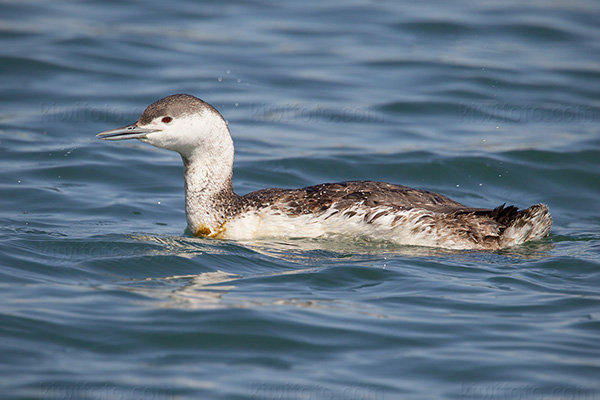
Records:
x=103, y=295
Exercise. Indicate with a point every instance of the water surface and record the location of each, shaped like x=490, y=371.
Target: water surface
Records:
x=105, y=296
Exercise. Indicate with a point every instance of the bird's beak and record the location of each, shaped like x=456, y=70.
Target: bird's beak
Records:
x=126, y=132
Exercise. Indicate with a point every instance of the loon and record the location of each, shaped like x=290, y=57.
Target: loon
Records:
x=371, y=210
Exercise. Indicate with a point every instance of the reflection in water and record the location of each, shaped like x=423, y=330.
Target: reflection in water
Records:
x=301, y=250
x=291, y=249
x=203, y=290
x=181, y=246
x=209, y=290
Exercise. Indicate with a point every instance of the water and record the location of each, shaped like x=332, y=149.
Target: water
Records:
x=104, y=296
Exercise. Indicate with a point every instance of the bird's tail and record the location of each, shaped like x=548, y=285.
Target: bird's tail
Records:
x=530, y=224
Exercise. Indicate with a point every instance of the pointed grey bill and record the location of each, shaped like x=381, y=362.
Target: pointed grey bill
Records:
x=126, y=132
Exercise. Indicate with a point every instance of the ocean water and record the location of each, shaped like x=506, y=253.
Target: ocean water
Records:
x=103, y=294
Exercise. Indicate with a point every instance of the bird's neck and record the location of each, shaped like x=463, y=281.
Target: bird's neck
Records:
x=209, y=196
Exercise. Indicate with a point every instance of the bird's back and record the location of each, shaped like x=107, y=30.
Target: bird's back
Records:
x=389, y=212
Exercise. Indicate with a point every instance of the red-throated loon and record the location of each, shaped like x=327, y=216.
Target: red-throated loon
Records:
x=375, y=210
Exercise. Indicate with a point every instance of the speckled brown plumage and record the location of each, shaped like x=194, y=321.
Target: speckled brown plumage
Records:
x=373, y=210
x=482, y=227
x=319, y=198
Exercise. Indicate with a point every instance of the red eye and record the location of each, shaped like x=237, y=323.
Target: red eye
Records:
x=166, y=120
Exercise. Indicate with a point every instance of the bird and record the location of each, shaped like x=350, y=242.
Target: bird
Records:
x=375, y=211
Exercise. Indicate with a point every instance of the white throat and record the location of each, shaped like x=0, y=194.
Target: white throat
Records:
x=208, y=170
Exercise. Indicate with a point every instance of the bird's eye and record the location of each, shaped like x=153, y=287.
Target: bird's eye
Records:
x=166, y=120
